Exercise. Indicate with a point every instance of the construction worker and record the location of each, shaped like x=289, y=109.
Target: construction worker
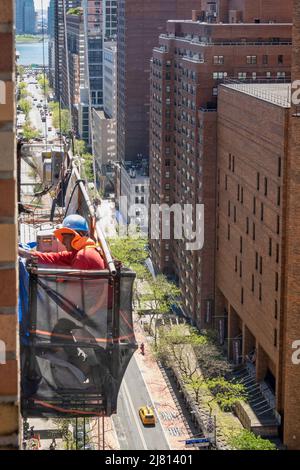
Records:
x=81, y=251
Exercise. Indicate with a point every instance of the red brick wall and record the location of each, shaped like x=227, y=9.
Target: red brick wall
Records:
x=253, y=131
x=8, y=272
x=292, y=293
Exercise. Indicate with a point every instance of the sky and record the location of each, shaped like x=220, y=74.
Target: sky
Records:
x=38, y=4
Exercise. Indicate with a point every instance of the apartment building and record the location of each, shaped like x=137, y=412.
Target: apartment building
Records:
x=245, y=11
x=73, y=69
x=253, y=190
x=191, y=60
x=139, y=24
x=60, y=9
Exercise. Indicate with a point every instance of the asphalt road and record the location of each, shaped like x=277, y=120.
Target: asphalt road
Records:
x=34, y=114
x=131, y=432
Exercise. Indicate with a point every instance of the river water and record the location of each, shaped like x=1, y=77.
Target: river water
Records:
x=32, y=53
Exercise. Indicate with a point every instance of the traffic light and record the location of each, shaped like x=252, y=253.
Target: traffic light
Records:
x=25, y=429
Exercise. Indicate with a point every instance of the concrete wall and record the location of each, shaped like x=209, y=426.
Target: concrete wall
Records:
x=8, y=230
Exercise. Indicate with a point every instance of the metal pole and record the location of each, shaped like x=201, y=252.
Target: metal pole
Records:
x=84, y=433
x=76, y=431
x=98, y=433
x=100, y=235
x=103, y=440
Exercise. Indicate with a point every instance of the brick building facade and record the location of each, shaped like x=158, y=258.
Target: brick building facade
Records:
x=252, y=174
x=139, y=24
x=192, y=59
x=292, y=259
x=8, y=250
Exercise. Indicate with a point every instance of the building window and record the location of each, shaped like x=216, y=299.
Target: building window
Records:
x=234, y=214
x=247, y=225
x=257, y=181
x=254, y=205
x=215, y=91
x=266, y=186
x=256, y=260
x=136, y=200
x=262, y=212
x=229, y=161
x=276, y=282
x=280, y=74
x=228, y=208
x=226, y=182
x=278, y=225
x=276, y=309
x=268, y=74
x=217, y=243
x=233, y=163
x=242, y=75
x=242, y=295
x=279, y=167
x=280, y=59
x=238, y=192
x=218, y=59
x=252, y=283
x=241, y=269
x=251, y=59
x=235, y=264
x=241, y=244
x=270, y=246
x=278, y=196
x=242, y=195
x=260, y=292
x=260, y=264
x=228, y=232
x=277, y=253
x=253, y=232
x=265, y=60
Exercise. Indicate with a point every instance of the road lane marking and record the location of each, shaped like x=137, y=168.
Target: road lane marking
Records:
x=137, y=422
x=157, y=412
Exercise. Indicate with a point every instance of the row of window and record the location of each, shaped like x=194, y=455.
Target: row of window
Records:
x=244, y=75
x=250, y=59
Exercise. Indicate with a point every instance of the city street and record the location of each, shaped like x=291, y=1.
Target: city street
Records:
x=131, y=432
x=34, y=115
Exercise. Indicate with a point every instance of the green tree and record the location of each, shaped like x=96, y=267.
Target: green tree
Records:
x=43, y=83
x=173, y=348
x=88, y=169
x=30, y=132
x=61, y=119
x=160, y=294
x=226, y=393
x=247, y=440
x=25, y=105
x=79, y=147
x=21, y=70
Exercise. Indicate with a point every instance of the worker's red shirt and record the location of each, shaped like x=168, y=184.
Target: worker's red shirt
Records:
x=86, y=258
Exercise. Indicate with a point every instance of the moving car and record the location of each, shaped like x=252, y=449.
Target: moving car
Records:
x=147, y=415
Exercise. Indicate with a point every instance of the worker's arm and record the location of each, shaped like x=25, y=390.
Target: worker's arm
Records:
x=63, y=258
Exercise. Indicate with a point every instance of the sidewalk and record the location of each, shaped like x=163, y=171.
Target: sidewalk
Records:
x=175, y=429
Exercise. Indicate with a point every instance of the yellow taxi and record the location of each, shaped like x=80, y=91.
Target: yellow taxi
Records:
x=147, y=415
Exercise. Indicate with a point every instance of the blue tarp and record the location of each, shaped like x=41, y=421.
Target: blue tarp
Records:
x=23, y=304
